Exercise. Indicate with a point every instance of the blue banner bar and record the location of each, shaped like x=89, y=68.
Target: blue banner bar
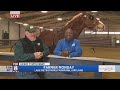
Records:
x=70, y=68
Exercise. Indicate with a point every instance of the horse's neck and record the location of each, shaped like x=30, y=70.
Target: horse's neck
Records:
x=57, y=36
x=77, y=27
x=61, y=34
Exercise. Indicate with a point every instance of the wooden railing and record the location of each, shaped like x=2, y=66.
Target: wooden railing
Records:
x=96, y=41
x=6, y=42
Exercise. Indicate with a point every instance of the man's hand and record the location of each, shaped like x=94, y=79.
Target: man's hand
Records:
x=38, y=55
x=41, y=54
x=65, y=54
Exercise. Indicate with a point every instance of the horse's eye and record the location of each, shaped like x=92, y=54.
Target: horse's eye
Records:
x=91, y=17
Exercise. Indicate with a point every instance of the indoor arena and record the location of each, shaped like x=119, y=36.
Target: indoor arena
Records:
x=98, y=34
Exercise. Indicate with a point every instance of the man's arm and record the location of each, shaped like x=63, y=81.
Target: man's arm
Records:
x=19, y=54
x=58, y=49
x=78, y=50
x=46, y=50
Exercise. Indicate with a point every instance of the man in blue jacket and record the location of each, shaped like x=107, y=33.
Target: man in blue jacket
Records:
x=68, y=46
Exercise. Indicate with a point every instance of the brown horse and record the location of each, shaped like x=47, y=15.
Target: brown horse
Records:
x=77, y=24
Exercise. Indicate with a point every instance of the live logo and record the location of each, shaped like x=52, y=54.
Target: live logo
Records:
x=14, y=15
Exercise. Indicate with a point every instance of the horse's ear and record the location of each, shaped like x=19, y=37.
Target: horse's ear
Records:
x=85, y=14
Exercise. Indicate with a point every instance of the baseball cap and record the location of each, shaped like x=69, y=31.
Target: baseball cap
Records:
x=30, y=29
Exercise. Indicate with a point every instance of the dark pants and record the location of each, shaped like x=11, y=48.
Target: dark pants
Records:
x=32, y=75
x=29, y=75
x=41, y=75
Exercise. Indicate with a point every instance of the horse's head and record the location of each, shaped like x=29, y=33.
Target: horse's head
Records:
x=100, y=26
x=92, y=22
x=84, y=20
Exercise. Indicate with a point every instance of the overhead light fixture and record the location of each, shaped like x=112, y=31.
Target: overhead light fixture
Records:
x=117, y=41
x=0, y=18
x=59, y=19
x=25, y=24
x=36, y=26
x=44, y=11
x=51, y=29
x=18, y=23
x=41, y=27
x=94, y=11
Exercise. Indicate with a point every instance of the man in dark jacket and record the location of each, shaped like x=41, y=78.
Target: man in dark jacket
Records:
x=30, y=49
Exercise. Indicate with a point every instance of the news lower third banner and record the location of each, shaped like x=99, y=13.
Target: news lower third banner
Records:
x=70, y=68
x=46, y=67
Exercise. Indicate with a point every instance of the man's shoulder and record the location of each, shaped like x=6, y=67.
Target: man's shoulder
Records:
x=38, y=39
x=61, y=40
x=76, y=40
x=20, y=41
